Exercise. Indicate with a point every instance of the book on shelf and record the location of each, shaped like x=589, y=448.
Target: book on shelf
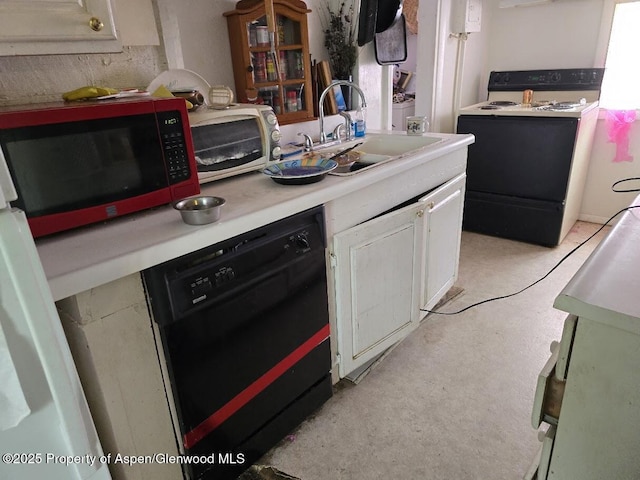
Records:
x=324, y=80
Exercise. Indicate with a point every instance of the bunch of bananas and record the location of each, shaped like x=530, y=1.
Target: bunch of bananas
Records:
x=88, y=92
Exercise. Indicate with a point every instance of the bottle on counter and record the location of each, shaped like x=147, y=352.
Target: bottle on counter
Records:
x=359, y=123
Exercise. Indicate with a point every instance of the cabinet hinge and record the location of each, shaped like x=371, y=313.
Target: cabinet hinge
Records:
x=333, y=261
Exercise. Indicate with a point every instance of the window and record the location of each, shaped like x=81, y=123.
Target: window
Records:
x=620, y=89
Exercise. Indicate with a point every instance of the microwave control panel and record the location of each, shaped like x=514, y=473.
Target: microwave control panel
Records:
x=173, y=143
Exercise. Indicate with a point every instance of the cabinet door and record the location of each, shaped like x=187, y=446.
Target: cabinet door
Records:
x=443, y=229
x=31, y=27
x=377, y=282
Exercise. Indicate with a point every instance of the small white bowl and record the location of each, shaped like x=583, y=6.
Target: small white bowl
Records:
x=199, y=210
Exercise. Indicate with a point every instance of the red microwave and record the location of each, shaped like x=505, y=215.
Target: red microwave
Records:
x=74, y=164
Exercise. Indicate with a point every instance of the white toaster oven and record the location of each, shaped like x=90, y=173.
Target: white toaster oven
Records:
x=238, y=139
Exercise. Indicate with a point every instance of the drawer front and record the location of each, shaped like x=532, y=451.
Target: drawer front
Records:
x=547, y=401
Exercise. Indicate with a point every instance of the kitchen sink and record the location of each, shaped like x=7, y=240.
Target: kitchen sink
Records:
x=395, y=145
x=380, y=148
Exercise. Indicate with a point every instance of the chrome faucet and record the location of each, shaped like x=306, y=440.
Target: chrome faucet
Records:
x=347, y=124
x=363, y=103
x=308, y=142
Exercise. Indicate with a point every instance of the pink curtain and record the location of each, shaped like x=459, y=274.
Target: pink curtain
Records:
x=618, y=125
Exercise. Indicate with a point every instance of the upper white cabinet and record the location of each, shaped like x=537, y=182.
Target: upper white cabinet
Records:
x=36, y=27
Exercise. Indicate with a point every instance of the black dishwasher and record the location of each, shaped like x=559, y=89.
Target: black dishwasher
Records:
x=244, y=329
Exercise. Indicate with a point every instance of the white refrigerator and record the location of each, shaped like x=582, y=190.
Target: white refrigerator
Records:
x=46, y=430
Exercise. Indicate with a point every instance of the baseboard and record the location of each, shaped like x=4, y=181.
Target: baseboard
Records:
x=593, y=218
x=598, y=219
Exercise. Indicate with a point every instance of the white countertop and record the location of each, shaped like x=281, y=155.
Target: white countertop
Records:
x=607, y=286
x=85, y=258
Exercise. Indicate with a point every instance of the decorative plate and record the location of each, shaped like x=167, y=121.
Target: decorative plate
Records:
x=300, y=171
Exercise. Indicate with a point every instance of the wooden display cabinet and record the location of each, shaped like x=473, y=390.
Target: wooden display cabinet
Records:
x=254, y=68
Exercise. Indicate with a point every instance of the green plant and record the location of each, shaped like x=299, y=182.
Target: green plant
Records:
x=340, y=35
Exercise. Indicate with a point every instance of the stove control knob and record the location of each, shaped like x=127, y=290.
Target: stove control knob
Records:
x=302, y=242
x=555, y=77
x=506, y=78
x=501, y=78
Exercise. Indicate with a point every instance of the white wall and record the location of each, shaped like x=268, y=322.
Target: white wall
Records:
x=438, y=54
x=562, y=34
x=599, y=201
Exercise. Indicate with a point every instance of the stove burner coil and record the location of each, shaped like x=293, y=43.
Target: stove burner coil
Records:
x=558, y=106
x=503, y=103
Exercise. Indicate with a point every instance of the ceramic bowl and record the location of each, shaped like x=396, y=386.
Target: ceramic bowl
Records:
x=199, y=210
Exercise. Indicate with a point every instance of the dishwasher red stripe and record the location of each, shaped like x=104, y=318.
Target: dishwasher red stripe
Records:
x=242, y=398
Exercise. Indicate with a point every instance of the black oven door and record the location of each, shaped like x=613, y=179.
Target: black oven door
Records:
x=525, y=157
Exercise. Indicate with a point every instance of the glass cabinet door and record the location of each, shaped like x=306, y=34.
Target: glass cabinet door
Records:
x=277, y=75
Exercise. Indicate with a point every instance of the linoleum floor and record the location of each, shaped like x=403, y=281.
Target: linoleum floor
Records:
x=453, y=400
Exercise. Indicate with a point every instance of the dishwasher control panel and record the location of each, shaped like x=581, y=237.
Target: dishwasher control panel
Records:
x=270, y=258
x=203, y=285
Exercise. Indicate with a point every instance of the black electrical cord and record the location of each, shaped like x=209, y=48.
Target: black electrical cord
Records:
x=541, y=278
x=613, y=187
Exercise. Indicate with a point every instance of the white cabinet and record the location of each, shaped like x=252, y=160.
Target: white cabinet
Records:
x=443, y=230
x=595, y=407
x=589, y=389
x=33, y=27
x=389, y=267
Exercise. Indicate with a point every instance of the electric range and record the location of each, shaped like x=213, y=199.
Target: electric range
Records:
x=527, y=168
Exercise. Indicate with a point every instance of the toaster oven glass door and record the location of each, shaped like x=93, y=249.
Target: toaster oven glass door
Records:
x=219, y=146
x=67, y=166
